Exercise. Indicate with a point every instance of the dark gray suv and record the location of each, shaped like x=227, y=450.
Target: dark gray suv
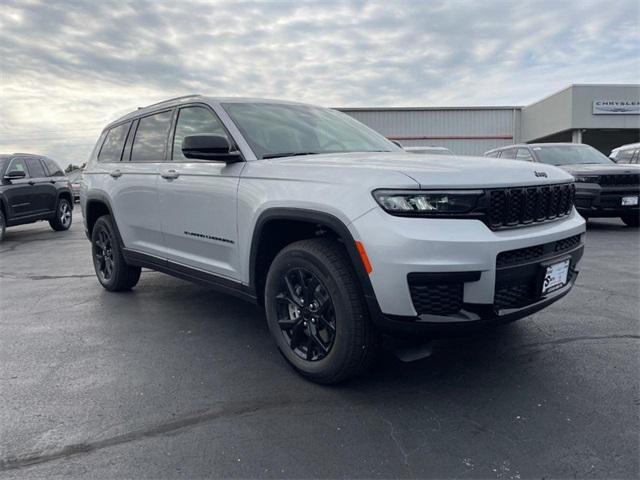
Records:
x=33, y=188
x=603, y=188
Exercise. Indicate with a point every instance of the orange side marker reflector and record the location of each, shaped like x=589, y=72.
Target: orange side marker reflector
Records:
x=363, y=257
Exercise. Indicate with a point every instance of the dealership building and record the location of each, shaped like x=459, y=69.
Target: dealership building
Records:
x=604, y=116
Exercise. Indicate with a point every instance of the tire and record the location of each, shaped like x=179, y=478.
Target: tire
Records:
x=3, y=225
x=63, y=217
x=329, y=337
x=112, y=271
x=632, y=219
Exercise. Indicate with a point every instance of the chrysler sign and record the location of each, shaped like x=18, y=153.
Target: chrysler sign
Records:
x=616, y=107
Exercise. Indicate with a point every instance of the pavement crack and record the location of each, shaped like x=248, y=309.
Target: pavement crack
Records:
x=227, y=410
x=392, y=434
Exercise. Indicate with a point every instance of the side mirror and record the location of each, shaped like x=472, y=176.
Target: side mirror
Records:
x=14, y=175
x=209, y=147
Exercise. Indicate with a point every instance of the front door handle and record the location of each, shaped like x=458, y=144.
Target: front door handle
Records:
x=170, y=174
x=116, y=173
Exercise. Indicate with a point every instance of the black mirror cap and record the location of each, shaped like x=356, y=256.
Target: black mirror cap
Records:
x=15, y=174
x=209, y=147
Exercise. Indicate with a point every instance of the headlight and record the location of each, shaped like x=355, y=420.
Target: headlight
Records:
x=427, y=202
x=587, y=179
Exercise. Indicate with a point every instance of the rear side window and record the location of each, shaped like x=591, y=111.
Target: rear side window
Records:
x=151, y=138
x=194, y=121
x=53, y=168
x=35, y=168
x=524, y=154
x=508, y=153
x=493, y=154
x=111, y=150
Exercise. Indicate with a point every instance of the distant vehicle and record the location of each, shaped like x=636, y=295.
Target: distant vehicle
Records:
x=338, y=232
x=74, y=178
x=603, y=188
x=33, y=188
x=626, y=154
x=429, y=150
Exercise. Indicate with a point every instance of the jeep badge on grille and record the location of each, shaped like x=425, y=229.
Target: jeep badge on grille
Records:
x=541, y=174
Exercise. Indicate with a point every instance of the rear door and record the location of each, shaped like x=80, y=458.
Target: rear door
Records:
x=134, y=180
x=198, y=200
x=44, y=190
x=18, y=192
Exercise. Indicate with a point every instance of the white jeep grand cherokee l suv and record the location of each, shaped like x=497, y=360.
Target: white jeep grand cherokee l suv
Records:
x=339, y=233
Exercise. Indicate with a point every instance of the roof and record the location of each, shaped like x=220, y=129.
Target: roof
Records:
x=172, y=102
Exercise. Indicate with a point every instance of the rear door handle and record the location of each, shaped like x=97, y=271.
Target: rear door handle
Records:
x=116, y=173
x=32, y=182
x=170, y=174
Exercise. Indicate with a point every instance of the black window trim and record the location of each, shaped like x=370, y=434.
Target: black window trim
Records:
x=174, y=124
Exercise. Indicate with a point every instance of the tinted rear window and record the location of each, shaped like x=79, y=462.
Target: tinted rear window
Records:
x=53, y=168
x=111, y=150
x=151, y=138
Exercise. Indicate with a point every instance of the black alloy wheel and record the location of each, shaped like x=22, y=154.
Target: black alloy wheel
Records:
x=306, y=315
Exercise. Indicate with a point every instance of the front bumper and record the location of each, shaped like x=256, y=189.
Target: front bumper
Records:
x=592, y=200
x=459, y=258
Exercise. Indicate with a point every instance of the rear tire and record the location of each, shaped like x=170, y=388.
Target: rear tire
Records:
x=632, y=219
x=112, y=271
x=316, y=312
x=62, y=218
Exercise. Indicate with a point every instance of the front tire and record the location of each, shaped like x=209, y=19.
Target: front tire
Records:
x=631, y=219
x=112, y=271
x=62, y=218
x=316, y=312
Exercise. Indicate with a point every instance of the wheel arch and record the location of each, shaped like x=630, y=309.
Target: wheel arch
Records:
x=323, y=223
x=96, y=206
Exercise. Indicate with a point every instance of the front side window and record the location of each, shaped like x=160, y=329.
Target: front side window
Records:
x=524, y=155
x=509, y=153
x=53, y=168
x=278, y=130
x=195, y=121
x=18, y=165
x=111, y=150
x=570, y=155
x=151, y=138
x=35, y=168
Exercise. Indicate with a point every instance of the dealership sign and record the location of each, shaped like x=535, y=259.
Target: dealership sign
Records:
x=616, y=107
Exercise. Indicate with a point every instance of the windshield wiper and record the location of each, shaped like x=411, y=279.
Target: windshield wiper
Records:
x=288, y=154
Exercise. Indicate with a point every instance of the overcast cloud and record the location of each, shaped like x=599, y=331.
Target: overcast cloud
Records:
x=67, y=68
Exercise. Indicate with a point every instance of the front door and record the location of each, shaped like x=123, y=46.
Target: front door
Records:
x=198, y=201
x=21, y=202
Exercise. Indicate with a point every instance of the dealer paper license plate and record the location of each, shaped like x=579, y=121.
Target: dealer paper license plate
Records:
x=556, y=276
x=629, y=201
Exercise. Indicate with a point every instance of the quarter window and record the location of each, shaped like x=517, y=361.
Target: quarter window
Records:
x=195, y=121
x=35, y=168
x=53, y=168
x=151, y=138
x=111, y=150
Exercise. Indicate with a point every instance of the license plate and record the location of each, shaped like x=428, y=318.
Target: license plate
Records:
x=556, y=276
x=629, y=201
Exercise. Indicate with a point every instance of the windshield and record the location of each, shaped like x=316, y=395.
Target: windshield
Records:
x=570, y=155
x=278, y=130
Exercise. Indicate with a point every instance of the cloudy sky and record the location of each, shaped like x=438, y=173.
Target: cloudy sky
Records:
x=67, y=68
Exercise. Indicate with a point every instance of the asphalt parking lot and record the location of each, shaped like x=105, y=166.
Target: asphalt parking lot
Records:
x=172, y=380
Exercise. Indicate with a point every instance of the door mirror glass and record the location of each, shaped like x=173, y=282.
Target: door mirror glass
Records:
x=209, y=147
x=15, y=174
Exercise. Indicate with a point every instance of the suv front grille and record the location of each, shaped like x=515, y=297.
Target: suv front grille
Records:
x=619, y=180
x=510, y=207
x=436, y=299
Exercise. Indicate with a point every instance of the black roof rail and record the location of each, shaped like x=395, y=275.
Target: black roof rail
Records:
x=171, y=100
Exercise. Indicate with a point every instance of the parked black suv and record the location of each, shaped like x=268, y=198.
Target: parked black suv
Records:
x=33, y=188
x=603, y=188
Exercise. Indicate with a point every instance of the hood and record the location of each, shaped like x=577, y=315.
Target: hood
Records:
x=600, y=169
x=429, y=171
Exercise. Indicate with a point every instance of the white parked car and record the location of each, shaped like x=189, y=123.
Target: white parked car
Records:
x=626, y=154
x=336, y=231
